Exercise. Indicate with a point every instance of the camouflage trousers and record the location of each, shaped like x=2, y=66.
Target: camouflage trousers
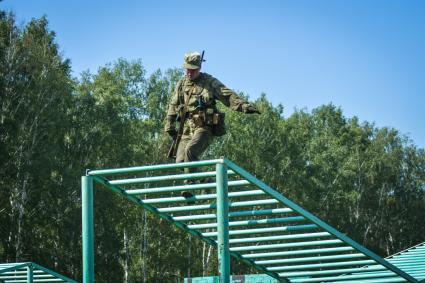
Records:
x=193, y=145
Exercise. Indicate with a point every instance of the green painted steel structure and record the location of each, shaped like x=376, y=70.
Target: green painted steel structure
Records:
x=29, y=272
x=411, y=261
x=273, y=234
x=87, y=226
x=223, y=223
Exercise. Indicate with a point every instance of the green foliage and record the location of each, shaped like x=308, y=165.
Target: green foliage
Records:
x=366, y=181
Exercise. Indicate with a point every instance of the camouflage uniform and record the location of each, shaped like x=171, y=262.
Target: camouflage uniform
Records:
x=203, y=92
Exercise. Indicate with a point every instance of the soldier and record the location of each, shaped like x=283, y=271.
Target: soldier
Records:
x=195, y=95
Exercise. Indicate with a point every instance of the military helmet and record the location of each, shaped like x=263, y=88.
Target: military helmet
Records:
x=192, y=60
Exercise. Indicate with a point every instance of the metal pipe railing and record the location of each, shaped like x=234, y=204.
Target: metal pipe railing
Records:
x=157, y=167
x=189, y=176
x=278, y=204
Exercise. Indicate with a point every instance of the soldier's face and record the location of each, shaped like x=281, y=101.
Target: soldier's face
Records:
x=192, y=74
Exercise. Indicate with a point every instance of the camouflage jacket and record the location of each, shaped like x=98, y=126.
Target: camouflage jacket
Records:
x=210, y=89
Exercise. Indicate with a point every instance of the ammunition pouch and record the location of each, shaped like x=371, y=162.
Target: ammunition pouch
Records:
x=211, y=118
x=198, y=119
x=219, y=127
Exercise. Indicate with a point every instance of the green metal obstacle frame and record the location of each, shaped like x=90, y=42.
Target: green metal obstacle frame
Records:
x=243, y=218
x=412, y=261
x=29, y=272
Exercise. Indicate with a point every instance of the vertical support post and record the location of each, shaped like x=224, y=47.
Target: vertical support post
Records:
x=30, y=274
x=223, y=224
x=87, y=215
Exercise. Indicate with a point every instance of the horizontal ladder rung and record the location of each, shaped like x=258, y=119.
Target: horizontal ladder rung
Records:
x=347, y=277
x=408, y=255
x=409, y=263
x=213, y=205
x=304, y=259
x=183, y=188
x=156, y=167
x=250, y=222
x=234, y=214
x=298, y=252
x=414, y=270
x=21, y=272
x=397, y=279
x=23, y=279
x=280, y=237
x=321, y=265
x=264, y=230
x=202, y=197
x=332, y=271
x=24, y=276
x=286, y=245
x=189, y=176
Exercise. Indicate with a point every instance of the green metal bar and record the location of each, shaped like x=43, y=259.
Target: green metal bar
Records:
x=154, y=167
x=87, y=222
x=349, y=278
x=29, y=274
x=407, y=258
x=306, y=259
x=35, y=277
x=121, y=191
x=346, y=277
x=250, y=222
x=375, y=274
x=65, y=278
x=316, y=220
x=178, y=224
x=379, y=280
x=410, y=263
x=412, y=258
x=234, y=214
x=384, y=273
x=321, y=265
x=298, y=252
x=223, y=224
x=14, y=278
x=14, y=267
x=259, y=212
x=281, y=237
x=35, y=272
x=190, y=176
x=287, y=245
x=265, y=230
x=35, y=280
x=418, y=248
x=195, y=217
x=213, y=205
x=202, y=197
x=183, y=188
x=330, y=271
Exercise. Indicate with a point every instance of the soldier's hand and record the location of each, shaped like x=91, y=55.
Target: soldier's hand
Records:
x=172, y=132
x=249, y=109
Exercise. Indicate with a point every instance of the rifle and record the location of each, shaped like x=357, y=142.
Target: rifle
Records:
x=172, y=152
x=173, y=149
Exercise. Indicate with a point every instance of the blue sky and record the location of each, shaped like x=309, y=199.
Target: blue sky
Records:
x=366, y=56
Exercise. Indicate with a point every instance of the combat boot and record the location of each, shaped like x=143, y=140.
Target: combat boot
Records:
x=188, y=195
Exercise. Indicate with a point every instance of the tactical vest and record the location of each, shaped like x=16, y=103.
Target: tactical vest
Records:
x=201, y=107
x=201, y=93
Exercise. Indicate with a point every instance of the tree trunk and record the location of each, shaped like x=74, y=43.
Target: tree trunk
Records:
x=126, y=255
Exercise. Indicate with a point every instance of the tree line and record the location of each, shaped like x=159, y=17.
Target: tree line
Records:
x=366, y=181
